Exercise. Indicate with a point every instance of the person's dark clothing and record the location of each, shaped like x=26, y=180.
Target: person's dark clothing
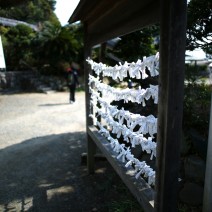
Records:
x=72, y=89
x=72, y=83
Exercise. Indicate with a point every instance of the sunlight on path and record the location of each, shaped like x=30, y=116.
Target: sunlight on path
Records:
x=26, y=116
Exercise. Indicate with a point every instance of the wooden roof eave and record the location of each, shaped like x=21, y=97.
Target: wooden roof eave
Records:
x=109, y=19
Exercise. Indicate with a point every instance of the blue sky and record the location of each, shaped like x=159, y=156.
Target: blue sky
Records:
x=64, y=10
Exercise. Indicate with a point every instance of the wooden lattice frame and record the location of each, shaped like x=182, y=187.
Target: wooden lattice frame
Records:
x=107, y=19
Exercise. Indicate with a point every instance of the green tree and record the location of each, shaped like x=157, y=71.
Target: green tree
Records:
x=32, y=11
x=55, y=44
x=135, y=45
x=199, y=25
x=18, y=42
x=20, y=38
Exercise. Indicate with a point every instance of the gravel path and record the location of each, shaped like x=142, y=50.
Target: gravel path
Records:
x=34, y=115
x=42, y=138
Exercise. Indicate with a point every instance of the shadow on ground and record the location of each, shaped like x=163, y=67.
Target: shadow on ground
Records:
x=57, y=104
x=46, y=174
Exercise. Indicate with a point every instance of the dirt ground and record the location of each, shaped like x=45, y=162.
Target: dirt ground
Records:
x=42, y=138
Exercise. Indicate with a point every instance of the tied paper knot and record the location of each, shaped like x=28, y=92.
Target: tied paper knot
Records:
x=124, y=154
x=135, y=70
x=122, y=122
x=138, y=96
x=135, y=138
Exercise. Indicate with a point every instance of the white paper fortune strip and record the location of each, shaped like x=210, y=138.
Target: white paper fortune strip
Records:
x=147, y=124
x=131, y=126
x=124, y=154
x=135, y=70
x=138, y=96
x=129, y=136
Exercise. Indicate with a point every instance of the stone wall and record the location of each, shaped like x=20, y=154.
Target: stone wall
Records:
x=3, y=81
x=16, y=79
x=30, y=81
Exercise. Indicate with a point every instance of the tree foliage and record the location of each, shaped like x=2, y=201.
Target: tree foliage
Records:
x=199, y=25
x=55, y=44
x=51, y=46
x=18, y=46
x=32, y=11
x=136, y=45
x=199, y=33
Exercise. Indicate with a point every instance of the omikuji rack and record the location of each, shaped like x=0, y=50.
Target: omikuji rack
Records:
x=107, y=19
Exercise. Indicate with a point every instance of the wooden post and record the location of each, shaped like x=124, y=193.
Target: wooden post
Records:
x=101, y=59
x=207, y=206
x=170, y=105
x=91, y=146
x=102, y=52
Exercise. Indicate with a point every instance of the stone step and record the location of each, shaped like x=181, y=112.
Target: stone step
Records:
x=45, y=89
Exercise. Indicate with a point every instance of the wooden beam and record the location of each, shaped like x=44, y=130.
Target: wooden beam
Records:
x=139, y=188
x=99, y=9
x=170, y=105
x=91, y=151
x=113, y=26
x=91, y=147
x=207, y=206
x=87, y=71
x=107, y=8
x=82, y=10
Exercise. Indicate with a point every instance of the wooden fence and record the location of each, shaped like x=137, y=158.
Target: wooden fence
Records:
x=104, y=20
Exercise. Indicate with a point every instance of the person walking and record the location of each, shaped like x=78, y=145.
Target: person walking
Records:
x=73, y=82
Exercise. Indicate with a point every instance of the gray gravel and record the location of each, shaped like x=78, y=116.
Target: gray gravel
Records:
x=42, y=138
x=26, y=116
